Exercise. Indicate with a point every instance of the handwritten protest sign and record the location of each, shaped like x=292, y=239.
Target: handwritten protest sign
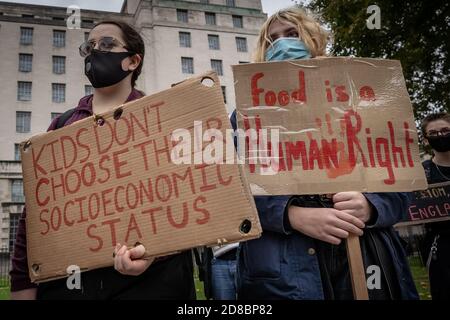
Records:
x=431, y=205
x=112, y=179
x=327, y=125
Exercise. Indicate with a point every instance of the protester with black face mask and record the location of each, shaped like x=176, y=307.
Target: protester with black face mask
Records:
x=436, y=132
x=114, y=54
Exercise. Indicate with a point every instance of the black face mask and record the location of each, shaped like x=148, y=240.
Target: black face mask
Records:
x=104, y=69
x=440, y=143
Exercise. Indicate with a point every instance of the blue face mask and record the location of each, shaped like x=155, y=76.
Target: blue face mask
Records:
x=287, y=49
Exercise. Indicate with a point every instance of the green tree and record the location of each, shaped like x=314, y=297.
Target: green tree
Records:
x=415, y=32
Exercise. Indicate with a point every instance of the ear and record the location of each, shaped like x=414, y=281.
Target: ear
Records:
x=425, y=142
x=135, y=61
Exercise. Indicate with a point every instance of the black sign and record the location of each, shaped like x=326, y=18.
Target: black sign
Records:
x=429, y=205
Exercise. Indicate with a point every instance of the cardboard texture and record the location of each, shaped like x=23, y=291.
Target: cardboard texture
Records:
x=343, y=124
x=110, y=179
x=431, y=205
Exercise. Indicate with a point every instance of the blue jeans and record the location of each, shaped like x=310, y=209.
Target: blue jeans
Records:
x=223, y=279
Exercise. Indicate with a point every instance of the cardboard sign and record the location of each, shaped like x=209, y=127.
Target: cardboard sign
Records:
x=112, y=179
x=327, y=125
x=431, y=205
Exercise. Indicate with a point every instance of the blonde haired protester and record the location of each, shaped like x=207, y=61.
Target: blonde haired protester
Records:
x=301, y=254
x=314, y=38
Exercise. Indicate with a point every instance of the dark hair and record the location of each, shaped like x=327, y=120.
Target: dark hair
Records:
x=133, y=41
x=433, y=117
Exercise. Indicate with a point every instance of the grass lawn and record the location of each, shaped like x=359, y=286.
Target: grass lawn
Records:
x=4, y=288
x=420, y=276
x=198, y=286
x=4, y=293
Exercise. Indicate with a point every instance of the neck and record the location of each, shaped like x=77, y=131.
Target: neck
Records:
x=106, y=99
x=442, y=158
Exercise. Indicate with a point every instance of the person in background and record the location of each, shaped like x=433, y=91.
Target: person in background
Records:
x=114, y=54
x=436, y=133
x=223, y=272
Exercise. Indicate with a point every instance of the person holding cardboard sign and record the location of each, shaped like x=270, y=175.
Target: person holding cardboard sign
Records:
x=301, y=254
x=114, y=56
x=436, y=132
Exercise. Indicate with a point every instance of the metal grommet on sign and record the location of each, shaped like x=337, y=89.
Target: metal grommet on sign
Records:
x=26, y=145
x=36, y=268
x=246, y=226
x=207, y=82
x=99, y=120
x=118, y=113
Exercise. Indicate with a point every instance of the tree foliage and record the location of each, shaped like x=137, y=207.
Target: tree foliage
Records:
x=415, y=32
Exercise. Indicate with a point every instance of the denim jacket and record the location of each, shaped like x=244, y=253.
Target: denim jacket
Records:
x=283, y=264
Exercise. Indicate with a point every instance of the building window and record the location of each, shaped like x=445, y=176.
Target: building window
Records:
x=58, y=92
x=185, y=39
x=231, y=3
x=25, y=62
x=204, y=1
x=210, y=18
x=26, y=36
x=23, y=122
x=59, y=65
x=224, y=92
x=88, y=90
x=53, y=115
x=241, y=44
x=217, y=66
x=213, y=41
x=182, y=15
x=17, y=191
x=13, y=227
x=17, y=152
x=24, y=91
x=237, y=22
x=59, y=38
x=187, y=65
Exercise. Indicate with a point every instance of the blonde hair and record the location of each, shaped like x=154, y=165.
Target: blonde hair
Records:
x=309, y=31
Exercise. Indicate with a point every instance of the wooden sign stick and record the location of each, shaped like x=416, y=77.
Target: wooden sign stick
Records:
x=357, y=272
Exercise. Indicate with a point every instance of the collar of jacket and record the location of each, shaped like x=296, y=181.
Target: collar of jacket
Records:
x=85, y=103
